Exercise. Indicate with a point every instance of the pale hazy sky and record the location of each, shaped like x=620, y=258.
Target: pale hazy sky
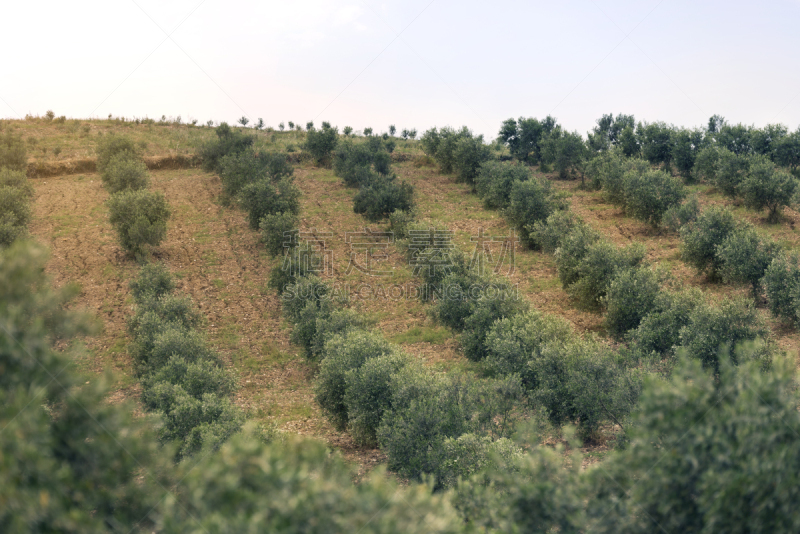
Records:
x=417, y=63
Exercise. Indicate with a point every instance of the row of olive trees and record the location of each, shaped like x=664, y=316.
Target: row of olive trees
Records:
x=652, y=196
x=734, y=252
x=259, y=182
x=598, y=275
x=367, y=166
x=138, y=215
x=544, y=142
x=752, y=177
x=423, y=420
x=572, y=380
x=182, y=379
x=16, y=193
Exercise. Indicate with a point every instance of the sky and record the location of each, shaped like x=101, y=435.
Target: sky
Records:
x=414, y=64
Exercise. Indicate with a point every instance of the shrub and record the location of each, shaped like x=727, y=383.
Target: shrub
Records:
x=112, y=145
x=744, y=257
x=659, y=330
x=630, y=297
x=15, y=214
x=550, y=233
x=344, y=353
x=490, y=307
x=249, y=483
x=713, y=330
x=400, y=221
x=359, y=164
x=199, y=423
x=735, y=138
x=278, y=231
x=534, y=493
x=787, y=150
x=524, y=137
x=240, y=169
x=614, y=184
x=495, y=180
x=17, y=179
x=679, y=216
x=381, y=198
x=782, y=283
x=731, y=171
x=530, y=201
x=469, y=454
x=566, y=151
x=264, y=197
x=307, y=288
x=767, y=187
x=140, y=220
x=320, y=143
x=168, y=309
x=304, y=328
x=458, y=293
x=303, y=302
x=229, y=141
x=582, y=382
x=439, y=145
x=63, y=442
x=656, y=141
x=629, y=143
x=170, y=340
x=13, y=152
x=601, y=262
x=433, y=257
x=700, y=239
x=706, y=163
x=125, y=171
x=368, y=394
x=469, y=154
x=425, y=411
x=153, y=282
x=571, y=251
x=746, y=412
x=604, y=171
x=329, y=325
x=196, y=378
x=297, y=262
x=686, y=144
x=648, y=196
x=513, y=342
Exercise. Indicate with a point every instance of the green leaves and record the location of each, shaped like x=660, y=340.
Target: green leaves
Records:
x=320, y=144
x=495, y=180
x=767, y=187
x=140, y=220
x=649, y=195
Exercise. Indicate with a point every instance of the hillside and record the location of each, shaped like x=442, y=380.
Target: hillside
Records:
x=220, y=264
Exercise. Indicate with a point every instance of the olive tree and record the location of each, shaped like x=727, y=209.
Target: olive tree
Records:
x=767, y=187
x=140, y=219
x=700, y=239
x=495, y=180
x=649, y=195
x=744, y=257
